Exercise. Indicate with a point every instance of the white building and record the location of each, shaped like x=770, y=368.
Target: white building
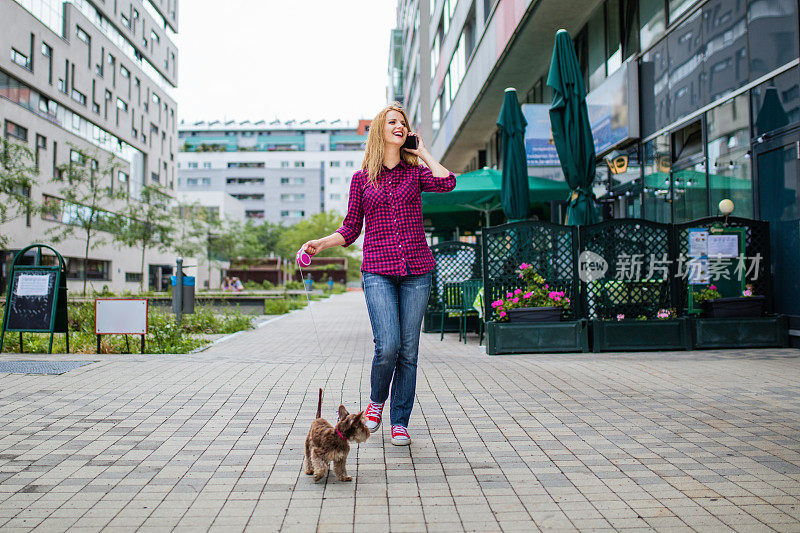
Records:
x=96, y=76
x=281, y=171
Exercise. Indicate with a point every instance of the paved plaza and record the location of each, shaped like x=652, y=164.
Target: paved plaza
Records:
x=704, y=441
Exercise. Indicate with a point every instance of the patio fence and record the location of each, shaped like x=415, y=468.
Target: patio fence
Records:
x=551, y=249
x=554, y=251
x=455, y=261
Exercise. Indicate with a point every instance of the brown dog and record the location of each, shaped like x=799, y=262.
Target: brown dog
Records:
x=326, y=443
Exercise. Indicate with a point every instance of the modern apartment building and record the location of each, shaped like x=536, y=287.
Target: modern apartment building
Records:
x=281, y=171
x=92, y=76
x=691, y=102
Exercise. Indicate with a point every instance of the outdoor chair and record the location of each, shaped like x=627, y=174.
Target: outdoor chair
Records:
x=450, y=304
x=470, y=290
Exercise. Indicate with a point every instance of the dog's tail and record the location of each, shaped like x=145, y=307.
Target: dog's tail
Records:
x=319, y=404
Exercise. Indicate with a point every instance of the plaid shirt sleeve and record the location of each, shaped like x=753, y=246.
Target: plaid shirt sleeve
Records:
x=429, y=183
x=354, y=220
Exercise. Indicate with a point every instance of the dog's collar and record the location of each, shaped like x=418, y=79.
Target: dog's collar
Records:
x=339, y=433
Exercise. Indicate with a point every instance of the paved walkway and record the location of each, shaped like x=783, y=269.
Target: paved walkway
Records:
x=213, y=441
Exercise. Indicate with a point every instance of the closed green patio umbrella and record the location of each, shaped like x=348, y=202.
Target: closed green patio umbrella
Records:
x=572, y=133
x=514, y=193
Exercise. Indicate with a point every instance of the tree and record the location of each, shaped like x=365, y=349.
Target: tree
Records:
x=17, y=171
x=193, y=224
x=84, y=196
x=146, y=222
x=315, y=227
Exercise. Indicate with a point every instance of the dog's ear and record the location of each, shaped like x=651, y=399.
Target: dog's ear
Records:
x=342, y=412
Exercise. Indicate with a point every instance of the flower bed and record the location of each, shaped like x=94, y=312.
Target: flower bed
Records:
x=760, y=332
x=636, y=335
x=537, y=337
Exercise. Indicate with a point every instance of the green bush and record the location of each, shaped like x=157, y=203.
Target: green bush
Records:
x=251, y=285
x=267, y=284
x=294, y=285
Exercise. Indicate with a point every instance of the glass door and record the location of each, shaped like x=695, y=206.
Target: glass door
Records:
x=778, y=171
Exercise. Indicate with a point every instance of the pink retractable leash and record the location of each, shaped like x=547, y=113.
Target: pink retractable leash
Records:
x=303, y=260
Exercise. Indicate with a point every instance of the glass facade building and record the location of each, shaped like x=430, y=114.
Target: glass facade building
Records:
x=711, y=108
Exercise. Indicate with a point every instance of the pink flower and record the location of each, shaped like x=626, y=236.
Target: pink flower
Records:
x=547, y=286
x=509, y=295
x=502, y=314
x=620, y=317
x=747, y=292
x=557, y=298
x=528, y=295
x=523, y=266
x=520, y=276
x=515, y=300
x=497, y=303
x=712, y=287
x=566, y=300
x=518, y=291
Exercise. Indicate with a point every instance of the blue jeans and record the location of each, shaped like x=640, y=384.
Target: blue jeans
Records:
x=396, y=305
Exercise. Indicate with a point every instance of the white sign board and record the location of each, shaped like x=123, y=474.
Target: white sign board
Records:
x=723, y=246
x=122, y=317
x=33, y=284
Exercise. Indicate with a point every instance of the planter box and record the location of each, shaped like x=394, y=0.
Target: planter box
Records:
x=640, y=335
x=432, y=322
x=761, y=332
x=535, y=314
x=741, y=307
x=537, y=337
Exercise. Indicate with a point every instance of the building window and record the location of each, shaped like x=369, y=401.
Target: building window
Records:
x=122, y=105
x=95, y=269
x=192, y=164
x=652, y=21
x=293, y=197
x=657, y=190
x=299, y=164
x=124, y=72
x=284, y=164
x=335, y=196
x=78, y=97
x=348, y=163
x=335, y=163
x=20, y=59
x=254, y=213
x=15, y=130
x=47, y=50
x=728, y=155
x=82, y=35
x=133, y=277
x=206, y=164
x=248, y=164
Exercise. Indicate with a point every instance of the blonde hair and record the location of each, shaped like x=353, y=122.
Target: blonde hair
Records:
x=373, y=156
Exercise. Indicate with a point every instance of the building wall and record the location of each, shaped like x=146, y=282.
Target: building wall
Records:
x=73, y=74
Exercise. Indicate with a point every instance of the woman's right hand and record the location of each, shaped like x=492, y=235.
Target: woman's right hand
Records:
x=313, y=246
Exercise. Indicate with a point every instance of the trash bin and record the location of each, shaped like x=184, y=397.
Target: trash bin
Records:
x=188, y=294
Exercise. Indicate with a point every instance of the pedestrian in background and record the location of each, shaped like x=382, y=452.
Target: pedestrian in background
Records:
x=385, y=198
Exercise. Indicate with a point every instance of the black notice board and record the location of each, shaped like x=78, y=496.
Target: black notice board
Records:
x=32, y=312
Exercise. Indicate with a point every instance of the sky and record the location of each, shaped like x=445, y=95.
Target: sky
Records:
x=267, y=59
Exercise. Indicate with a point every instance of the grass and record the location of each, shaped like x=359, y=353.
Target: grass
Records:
x=163, y=335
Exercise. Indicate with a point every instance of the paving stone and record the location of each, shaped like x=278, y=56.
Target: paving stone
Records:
x=705, y=441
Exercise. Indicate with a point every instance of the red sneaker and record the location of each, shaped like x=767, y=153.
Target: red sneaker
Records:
x=373, y=416
x=400, y=436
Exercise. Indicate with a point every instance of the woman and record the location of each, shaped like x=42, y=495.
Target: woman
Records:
x=385, y=197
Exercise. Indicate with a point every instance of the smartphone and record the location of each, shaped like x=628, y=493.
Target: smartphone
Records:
x=411, y=142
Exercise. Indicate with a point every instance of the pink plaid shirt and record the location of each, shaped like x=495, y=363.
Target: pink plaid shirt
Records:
x=394, y=240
